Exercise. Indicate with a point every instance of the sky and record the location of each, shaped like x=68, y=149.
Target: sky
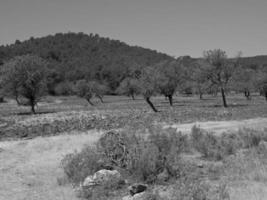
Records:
x=175, y=27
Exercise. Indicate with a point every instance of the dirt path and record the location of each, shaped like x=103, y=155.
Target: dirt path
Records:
x=223, y=126
x=29, y=169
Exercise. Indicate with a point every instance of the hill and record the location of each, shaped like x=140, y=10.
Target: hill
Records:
x=256, y=60
x=75, y=56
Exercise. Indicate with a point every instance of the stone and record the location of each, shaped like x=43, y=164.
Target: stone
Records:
x=103, y=177
x=137, y=188
x=165, y=192
x=262, y=148
x=163, y=176
x=139, y=196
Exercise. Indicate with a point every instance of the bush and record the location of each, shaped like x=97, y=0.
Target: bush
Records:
x=78, y=165
x=65, y=89
x=212, y=146
x=251, y=138
x=158, y=152
x=142, y=157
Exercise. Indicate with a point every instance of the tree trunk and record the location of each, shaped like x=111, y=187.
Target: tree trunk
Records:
x=101, y=99
x=200, y=95
x=266, y=96
x=32, y=104
x=151, y=104
x=132, y=95
x=17, y=100
x=223, y=97
x=247, y=95
x=88, y=100
x=170, y=100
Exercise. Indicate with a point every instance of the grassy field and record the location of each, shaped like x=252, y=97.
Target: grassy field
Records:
x=64, y=114
x=30, y=164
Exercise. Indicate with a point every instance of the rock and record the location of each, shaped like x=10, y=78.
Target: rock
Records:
x=200, y=165
x=103, y=177
x=262, y=147
x=165, y=192
x=137, y=188
x=103, y=165
x=139, y=196
x=163, y=176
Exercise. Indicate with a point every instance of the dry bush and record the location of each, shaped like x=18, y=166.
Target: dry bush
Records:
x=246, y=165
x=251, y=138
x=216, y=147
x=78, y=165
x=142, y=156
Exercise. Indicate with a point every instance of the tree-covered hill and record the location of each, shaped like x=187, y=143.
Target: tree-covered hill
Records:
x=255, y=61
x=74, y=56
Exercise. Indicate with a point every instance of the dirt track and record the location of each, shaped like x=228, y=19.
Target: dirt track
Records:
x=223, y=126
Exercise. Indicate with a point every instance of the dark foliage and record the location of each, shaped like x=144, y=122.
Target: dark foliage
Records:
x=75, y=56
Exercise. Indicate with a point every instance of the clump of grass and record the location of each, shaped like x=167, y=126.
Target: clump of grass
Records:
x=195, y=188
x=217, y=147
x=246, y=165
x=251, y=138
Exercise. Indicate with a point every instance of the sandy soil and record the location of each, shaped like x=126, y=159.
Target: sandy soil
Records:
x=29, y=169
x=223, y=126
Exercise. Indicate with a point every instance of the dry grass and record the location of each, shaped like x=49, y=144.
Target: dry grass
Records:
x=29, y=169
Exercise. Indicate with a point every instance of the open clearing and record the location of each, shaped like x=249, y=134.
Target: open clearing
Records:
x=223, y=126
x=29, y=168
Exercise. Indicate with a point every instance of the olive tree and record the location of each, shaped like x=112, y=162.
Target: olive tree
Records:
x=24, y=77
x=245, y=80
x=84, y=90
x=220, y=70
x=89, y=89
x=147, y=84
x=129, y=87
x=168, y=75
x=196, y=74
x=99, y=90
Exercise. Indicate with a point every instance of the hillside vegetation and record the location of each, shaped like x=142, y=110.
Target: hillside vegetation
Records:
x=74, y=56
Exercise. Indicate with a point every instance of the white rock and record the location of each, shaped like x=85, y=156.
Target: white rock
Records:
x=102, y=177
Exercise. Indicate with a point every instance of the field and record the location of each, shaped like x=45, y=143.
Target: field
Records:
x=32, y=146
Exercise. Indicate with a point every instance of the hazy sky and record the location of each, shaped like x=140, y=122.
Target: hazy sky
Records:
x=176, y=27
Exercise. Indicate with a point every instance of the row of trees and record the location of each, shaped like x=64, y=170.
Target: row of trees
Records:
x=27, y=78
x=214, y=73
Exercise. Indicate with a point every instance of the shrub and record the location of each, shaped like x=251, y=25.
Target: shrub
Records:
x=212, y=146
x=78, y=165
x=246, y=165
x=195, y=188
x=251, y=138
x=142, y=157
x=65, y=88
